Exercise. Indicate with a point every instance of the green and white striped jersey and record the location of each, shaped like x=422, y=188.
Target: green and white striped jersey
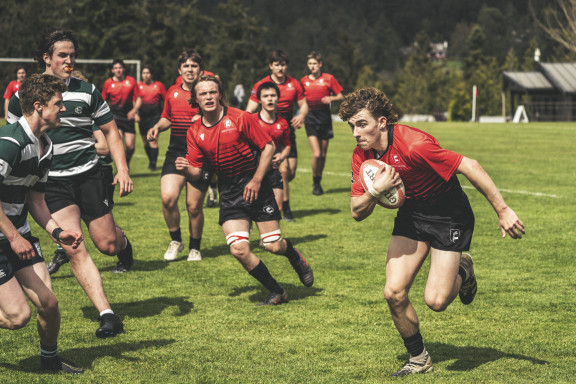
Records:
x=74, y=150
x=21, y=168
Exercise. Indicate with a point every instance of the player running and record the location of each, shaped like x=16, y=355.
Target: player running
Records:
x=25, y=155
x=75, y=189
x=153, y=94
x=436, y=216
x=225, y=137
x=291, y=93
x=321, y=90
x=13, y=87
x=178, y=115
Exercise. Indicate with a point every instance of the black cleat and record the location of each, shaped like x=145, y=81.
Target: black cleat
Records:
x=469, y=286
x=125, y=258
x=275, y=298
x=110, y=326
x=60, y=258
x=304, y=270
x=317, y=189
x=57, y=364
x=288, y=215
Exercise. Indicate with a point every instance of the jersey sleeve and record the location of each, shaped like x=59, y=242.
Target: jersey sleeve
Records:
x=166, y=112
x=14, y=109
x=442, y=161
x=9, y=152
x=285, y=139
x=194, y=154
x=9, y=91
x=253, y=131
x=335, y=86
x=300, y=94
x=100, y=111
x=106, y=89
x=253, y=92
x=358, y=157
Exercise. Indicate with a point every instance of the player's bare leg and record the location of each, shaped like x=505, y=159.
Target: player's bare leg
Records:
x=286, y=177
x=130, y=143
x=14, y=309
x=170, y=188
x=111, y=240
x=319, y=149
x=194, y=205
x=443, y=281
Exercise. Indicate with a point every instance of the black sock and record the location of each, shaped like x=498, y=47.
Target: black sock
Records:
x=414, y=344
x=147, y=150
x=286, y=205
x=462, y=273
x=176, y=235
x=261, y=273
x=153, y=156
x=194, y=243
x=316, y=179
x=48, y=352
x=291, y=253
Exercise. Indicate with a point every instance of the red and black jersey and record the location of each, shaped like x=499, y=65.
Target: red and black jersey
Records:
x=121, y=94
x=179, y=79
x=279, y=131
x=291, y=92
x=427, y=170
x=152, y=96
x=316, y=89
x=228, y=146
x=11, y=89
x=180, y=113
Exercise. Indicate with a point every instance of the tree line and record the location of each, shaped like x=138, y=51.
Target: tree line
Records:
x=364, y=43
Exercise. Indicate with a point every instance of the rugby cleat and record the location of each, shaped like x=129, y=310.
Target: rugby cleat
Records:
x=173, y=249
x=288, y=215
x=275, y=298
x=57, y=364
x=125, y=258
x=317, y=189
x=194, y=255
x=304, y=270
x=110, y=326
x=412, y=367
x=60, y=258
x=469, y=286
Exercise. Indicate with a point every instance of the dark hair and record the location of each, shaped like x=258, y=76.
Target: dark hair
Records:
x=21, y=67
x=40, y=88
x=215, y=79
x=49, y=37
x=371, y=99
x=278, y=56
x=189, y=54
x=148, y=67
x=316, y=56
x=118, y=61
x=267, y=85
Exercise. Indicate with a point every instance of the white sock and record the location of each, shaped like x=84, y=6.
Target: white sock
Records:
x=106, y=311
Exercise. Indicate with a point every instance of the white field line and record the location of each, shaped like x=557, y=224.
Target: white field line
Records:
x=518, y=192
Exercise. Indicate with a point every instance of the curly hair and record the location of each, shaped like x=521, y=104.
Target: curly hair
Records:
x=49, y=37
x=371, y=99
x=40, y=88
x=214, y=79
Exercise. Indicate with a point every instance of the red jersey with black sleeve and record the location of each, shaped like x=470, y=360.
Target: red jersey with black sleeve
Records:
x=121, y=94
x=152, y=96
x=11, y=89
x=427, y=170
x=180, y=113
x=291, y=92
x=228, y=146
x=279, y=131
x=316, y=89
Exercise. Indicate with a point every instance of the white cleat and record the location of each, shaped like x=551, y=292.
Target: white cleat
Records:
x=173, y=249
x=194, y=255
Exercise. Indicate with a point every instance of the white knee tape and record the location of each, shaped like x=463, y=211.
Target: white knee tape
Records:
x=271, y=237
x=237, y=237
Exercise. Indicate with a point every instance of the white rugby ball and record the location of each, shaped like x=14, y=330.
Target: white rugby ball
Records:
x=391, y=199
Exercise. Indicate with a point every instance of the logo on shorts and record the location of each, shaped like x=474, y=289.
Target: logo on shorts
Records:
x=38, y=250
x=2, y=273
x=105, y=202
x=454, y=235
x=268, y=209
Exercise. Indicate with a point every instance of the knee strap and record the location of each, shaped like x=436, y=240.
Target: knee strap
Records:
x=237, y=237
x=271, y=237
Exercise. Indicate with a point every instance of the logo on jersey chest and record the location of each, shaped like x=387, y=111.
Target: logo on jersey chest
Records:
x=229, y=127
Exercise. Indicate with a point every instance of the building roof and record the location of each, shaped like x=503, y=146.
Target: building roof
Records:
x=561, y=75
x=527, y=81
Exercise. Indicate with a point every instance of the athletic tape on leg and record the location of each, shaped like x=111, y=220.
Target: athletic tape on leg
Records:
x=271, y=237
x=237, y=237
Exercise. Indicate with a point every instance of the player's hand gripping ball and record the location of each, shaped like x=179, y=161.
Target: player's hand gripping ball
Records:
x=391, y=199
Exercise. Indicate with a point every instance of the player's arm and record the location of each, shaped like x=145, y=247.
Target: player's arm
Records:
x=298, y=120
x=19, y=245
x=191, y=173
x=253, y=187
x=252, y=106
x=116, y=146
x=132, y=114
x=280, y=156
x=385, y=179
x=507, y=218
x=40, y=213
x=101, y=144
x=330, y=99
x=162, y=125
x=6, y=102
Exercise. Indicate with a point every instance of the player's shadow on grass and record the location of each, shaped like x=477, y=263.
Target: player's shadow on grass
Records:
x=146, y=308
x=84, y=357
x=145, y=175
x=470, y=357
x=338, y=190
x=299, y=213
x=295, y=292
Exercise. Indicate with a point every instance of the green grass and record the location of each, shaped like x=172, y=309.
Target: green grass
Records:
x=198, y=323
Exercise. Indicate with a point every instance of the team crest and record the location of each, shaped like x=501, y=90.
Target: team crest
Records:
x=78, y=110
x=268, y=209
x=454, y=235
x=175, y=94
x=38, y=250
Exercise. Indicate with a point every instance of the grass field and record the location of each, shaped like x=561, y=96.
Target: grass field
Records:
x=198, y=322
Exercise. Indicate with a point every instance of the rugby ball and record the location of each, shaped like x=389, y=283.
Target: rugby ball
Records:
x=391, y=199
